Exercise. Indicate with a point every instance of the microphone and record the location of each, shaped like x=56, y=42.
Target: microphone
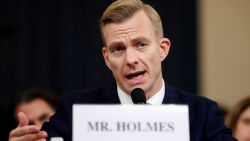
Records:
x=138, y=96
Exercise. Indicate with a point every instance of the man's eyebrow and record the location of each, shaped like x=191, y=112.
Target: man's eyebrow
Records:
x=133, y=39
x=139, y=38
x=115, y=43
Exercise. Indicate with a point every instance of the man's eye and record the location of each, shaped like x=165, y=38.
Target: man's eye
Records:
x=141, y=45
x=118, y=49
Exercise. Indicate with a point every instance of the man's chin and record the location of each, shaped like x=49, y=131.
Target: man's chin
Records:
x=142, y=86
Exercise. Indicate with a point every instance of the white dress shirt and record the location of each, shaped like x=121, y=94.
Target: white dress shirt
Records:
x=156, y=99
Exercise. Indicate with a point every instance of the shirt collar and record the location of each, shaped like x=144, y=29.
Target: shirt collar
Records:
x=156, y=99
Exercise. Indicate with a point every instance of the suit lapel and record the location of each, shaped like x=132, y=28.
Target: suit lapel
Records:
x=172, y=96
x=110, y=95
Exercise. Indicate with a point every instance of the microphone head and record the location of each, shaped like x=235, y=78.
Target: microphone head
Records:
x=138, y=96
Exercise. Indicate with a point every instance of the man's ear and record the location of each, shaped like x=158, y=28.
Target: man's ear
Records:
x=164, y=48
x=105, y=56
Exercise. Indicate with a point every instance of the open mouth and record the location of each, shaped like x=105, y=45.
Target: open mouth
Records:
x=135, y=75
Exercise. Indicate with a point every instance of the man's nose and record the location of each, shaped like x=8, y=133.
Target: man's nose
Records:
x=131, y=57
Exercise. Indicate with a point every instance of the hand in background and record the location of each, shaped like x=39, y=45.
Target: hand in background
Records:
x=26, y=132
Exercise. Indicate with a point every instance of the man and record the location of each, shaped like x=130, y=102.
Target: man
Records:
x=134, y=48
x=33, y=107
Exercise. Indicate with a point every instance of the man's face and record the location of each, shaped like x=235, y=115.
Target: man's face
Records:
x=38, y=111
x=134, y=53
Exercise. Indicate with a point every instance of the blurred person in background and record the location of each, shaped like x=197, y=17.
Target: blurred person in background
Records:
x=35, y=104
x=239, y=120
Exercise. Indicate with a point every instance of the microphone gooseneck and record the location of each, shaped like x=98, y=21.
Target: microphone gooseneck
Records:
x=138, y=96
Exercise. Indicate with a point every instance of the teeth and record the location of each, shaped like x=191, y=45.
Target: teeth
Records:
x=140, y=76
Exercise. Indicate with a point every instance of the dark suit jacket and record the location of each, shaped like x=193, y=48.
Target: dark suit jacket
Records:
x=205, y=122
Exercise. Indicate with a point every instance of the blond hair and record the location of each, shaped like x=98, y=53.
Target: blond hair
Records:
x=121, y=10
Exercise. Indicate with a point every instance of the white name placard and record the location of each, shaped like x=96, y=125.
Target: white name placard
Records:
x=130, y=123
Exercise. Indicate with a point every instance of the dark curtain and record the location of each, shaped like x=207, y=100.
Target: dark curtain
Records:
x=57, y=44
